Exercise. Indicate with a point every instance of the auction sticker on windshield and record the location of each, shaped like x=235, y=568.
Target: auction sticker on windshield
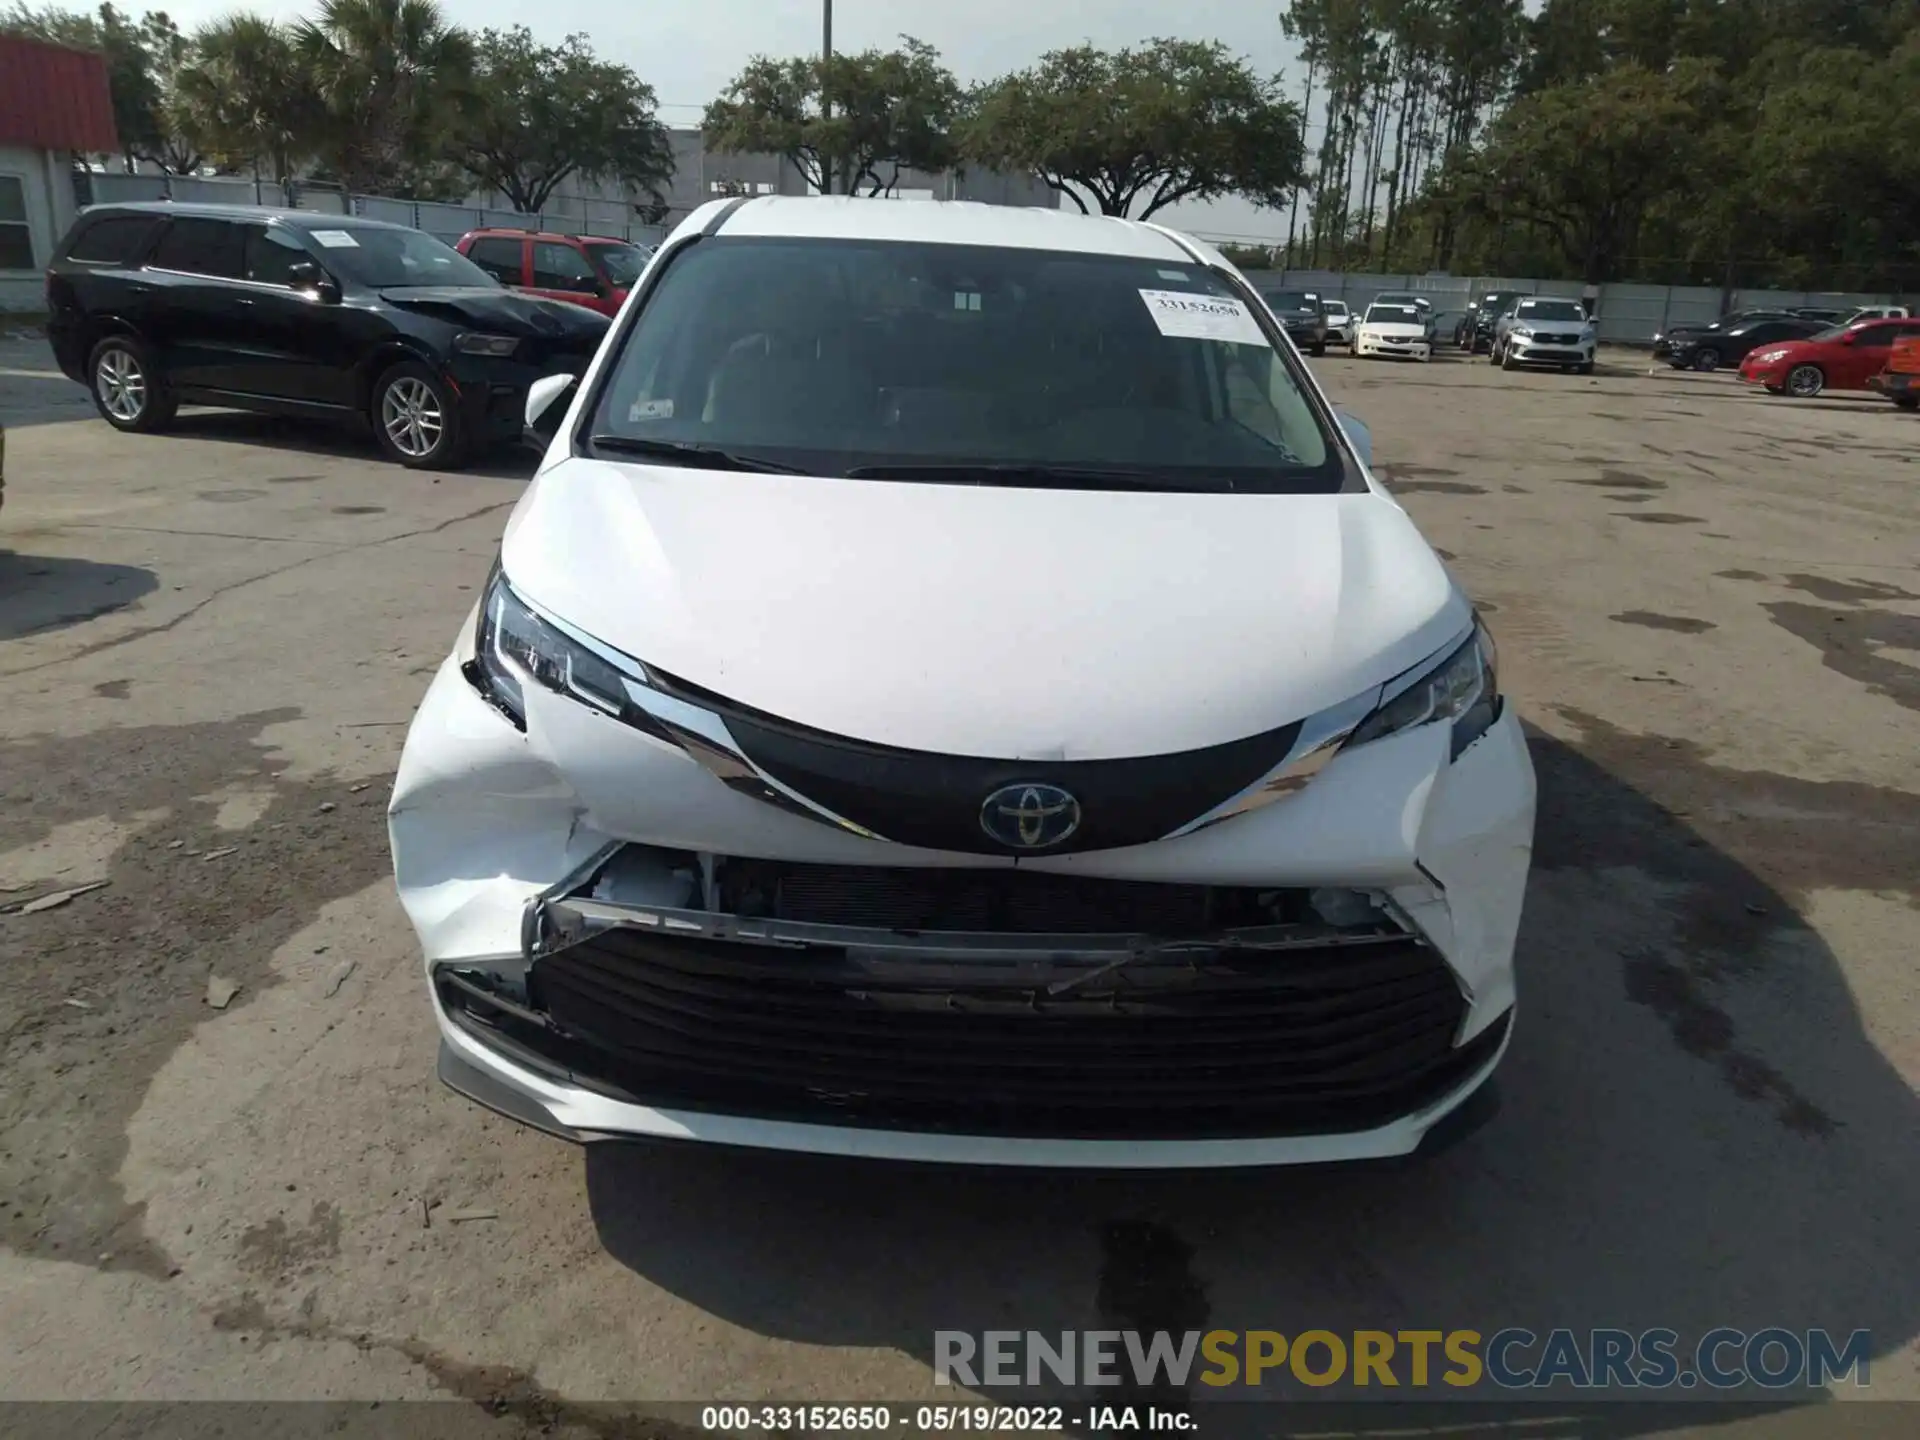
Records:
x=1202, y=317
x=336, y=239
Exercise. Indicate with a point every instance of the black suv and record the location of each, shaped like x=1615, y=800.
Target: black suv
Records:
x=1304, y=316
x=1473, y=332
x=294, y=313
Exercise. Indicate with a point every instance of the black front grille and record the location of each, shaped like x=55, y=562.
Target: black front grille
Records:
x=1556, y=340
x=1023, y=902
x=917, y=797
x=1213, y=1041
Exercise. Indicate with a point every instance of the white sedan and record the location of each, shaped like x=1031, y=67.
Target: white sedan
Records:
x=825, y=769
x=1396, y=331
x=1339, y=323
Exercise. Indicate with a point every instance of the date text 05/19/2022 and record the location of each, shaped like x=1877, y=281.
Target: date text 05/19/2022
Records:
x=940, y=1419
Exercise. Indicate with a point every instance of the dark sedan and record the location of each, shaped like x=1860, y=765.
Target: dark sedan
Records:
x=1304, y=316
x=293, y=313
x=1712, y=349
x=1473, y=331
x=1666, y=341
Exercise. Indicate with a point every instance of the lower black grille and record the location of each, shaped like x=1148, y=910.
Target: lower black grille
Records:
x=1197, y=1042
x=1025, y=902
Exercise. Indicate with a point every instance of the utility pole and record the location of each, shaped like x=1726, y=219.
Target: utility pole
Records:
x=826, y=105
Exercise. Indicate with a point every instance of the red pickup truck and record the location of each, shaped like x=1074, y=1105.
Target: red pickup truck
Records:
x=1900, y=381
x=591, y=270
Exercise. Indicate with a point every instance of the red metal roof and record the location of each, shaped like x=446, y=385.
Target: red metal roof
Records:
x=53, y=98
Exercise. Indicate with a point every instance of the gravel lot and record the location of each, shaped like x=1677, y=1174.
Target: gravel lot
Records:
x=1708, y=606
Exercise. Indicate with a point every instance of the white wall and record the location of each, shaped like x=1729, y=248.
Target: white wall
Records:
x=49, y=190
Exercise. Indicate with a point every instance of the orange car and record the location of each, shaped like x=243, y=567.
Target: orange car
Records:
x=1900, y=380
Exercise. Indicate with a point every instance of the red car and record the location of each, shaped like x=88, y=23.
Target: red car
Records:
x=591, y=270
x=1843, y=358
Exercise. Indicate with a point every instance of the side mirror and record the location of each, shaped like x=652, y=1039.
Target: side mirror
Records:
x=1849, y=338
x=1358, y=435
x=305, y=275
x=546, y=408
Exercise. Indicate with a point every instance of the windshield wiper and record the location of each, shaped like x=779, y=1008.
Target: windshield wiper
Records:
x=1023, y=474
x=691, y=452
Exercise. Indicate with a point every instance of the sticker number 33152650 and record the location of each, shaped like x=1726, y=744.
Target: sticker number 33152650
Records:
x=1186, y=316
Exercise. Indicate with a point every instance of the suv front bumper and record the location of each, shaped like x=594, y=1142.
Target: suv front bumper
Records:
x=572, y=1000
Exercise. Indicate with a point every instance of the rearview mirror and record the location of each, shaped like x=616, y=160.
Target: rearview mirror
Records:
x=1358, y=435
x=545, y=408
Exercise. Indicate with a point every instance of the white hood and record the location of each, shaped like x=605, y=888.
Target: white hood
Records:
x=1398, y=330
x=987, y=621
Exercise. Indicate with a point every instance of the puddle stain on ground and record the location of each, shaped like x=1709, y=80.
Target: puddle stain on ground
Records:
x=291, y=479
x=231, y=497
x=1740, y=574
x=1653, y=620
x=359, y=509
x=1630, y=499
x=112, y=689
x=1751, y=847
x=1854, y=643
x=137, y=950
x=1660, y=517
x=1147, y=1284
x=277, y=1251
x=1610, y=479
x=1846, y=591
x=1439, y=487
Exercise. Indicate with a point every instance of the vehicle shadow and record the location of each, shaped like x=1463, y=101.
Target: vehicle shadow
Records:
x=34, y=392
x=39, y=593
x=1694, y=1130
x=320, y=437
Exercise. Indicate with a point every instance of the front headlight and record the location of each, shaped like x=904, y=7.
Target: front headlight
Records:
x=1521, y=332
x=1463, y=688
x=513, y=645
x=472, y=343
x=1767, y=357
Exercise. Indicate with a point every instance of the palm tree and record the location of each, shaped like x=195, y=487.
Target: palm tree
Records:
x=243, y=97
x=387, y=76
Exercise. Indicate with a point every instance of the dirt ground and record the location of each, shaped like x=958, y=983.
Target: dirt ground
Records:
x=1708, y=608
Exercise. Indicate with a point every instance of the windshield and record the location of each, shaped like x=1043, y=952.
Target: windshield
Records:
x=1296, y=301
x=963, y=364
x=621, y=264
x=1392, y=315
x=382, y=259
x=1832, y=332
x=1550, y=310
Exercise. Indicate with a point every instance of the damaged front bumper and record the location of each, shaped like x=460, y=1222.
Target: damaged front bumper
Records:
x=617, y=946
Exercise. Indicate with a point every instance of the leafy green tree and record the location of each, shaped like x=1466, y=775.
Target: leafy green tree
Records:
x=1585, y=161
x=538, y=115
x=388, y=77
x=244, y=98
x=1136, y=130
x=841, y=122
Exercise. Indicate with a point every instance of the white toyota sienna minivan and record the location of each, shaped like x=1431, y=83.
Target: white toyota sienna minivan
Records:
x=953, y=691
